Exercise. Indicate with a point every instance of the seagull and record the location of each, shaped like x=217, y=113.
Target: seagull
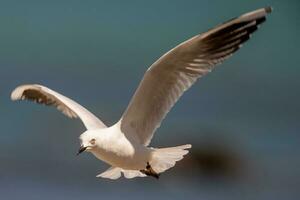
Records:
x=125, y=145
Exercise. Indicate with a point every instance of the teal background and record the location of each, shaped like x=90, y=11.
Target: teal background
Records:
x=242, y=119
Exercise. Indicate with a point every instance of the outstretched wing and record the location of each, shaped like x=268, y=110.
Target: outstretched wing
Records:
x=43, y=95
x=167, y=79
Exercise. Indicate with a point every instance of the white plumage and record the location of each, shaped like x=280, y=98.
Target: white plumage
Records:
x=125, y=145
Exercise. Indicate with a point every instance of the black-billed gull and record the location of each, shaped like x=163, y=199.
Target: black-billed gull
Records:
x=124, y=145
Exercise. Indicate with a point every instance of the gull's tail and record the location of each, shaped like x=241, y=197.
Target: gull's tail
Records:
x=165, y=158
x=161, y=160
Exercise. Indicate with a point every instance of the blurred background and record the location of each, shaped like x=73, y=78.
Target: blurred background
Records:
x=242, y=119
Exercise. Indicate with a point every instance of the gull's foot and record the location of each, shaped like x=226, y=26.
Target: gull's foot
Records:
x=149, y=171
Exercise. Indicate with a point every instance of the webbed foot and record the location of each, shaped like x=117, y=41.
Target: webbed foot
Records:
x=149, y=171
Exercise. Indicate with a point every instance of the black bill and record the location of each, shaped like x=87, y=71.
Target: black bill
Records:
x=81, y=149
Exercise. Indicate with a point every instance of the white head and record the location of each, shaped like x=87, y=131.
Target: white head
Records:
x=88, y=141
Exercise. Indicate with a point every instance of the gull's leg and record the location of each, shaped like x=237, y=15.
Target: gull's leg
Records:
x=149, y=171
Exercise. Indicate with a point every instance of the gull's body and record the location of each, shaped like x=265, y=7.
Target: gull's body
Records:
x=117, y=150
x=124, y=145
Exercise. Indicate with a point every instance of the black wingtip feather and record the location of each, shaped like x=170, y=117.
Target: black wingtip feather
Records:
x=260, y=20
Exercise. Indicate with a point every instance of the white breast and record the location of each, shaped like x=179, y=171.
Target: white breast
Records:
x=115, y=149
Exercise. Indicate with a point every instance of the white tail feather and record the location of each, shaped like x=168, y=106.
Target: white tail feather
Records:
x=112, y=173
x=132, y=174
x=115, y=173
x=165, y=158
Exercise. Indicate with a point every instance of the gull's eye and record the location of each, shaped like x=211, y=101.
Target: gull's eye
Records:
x=92, y=141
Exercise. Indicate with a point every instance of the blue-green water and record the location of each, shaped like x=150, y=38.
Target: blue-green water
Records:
x=245, y=114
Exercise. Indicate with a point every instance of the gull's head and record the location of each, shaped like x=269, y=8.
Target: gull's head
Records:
x=87, y=142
